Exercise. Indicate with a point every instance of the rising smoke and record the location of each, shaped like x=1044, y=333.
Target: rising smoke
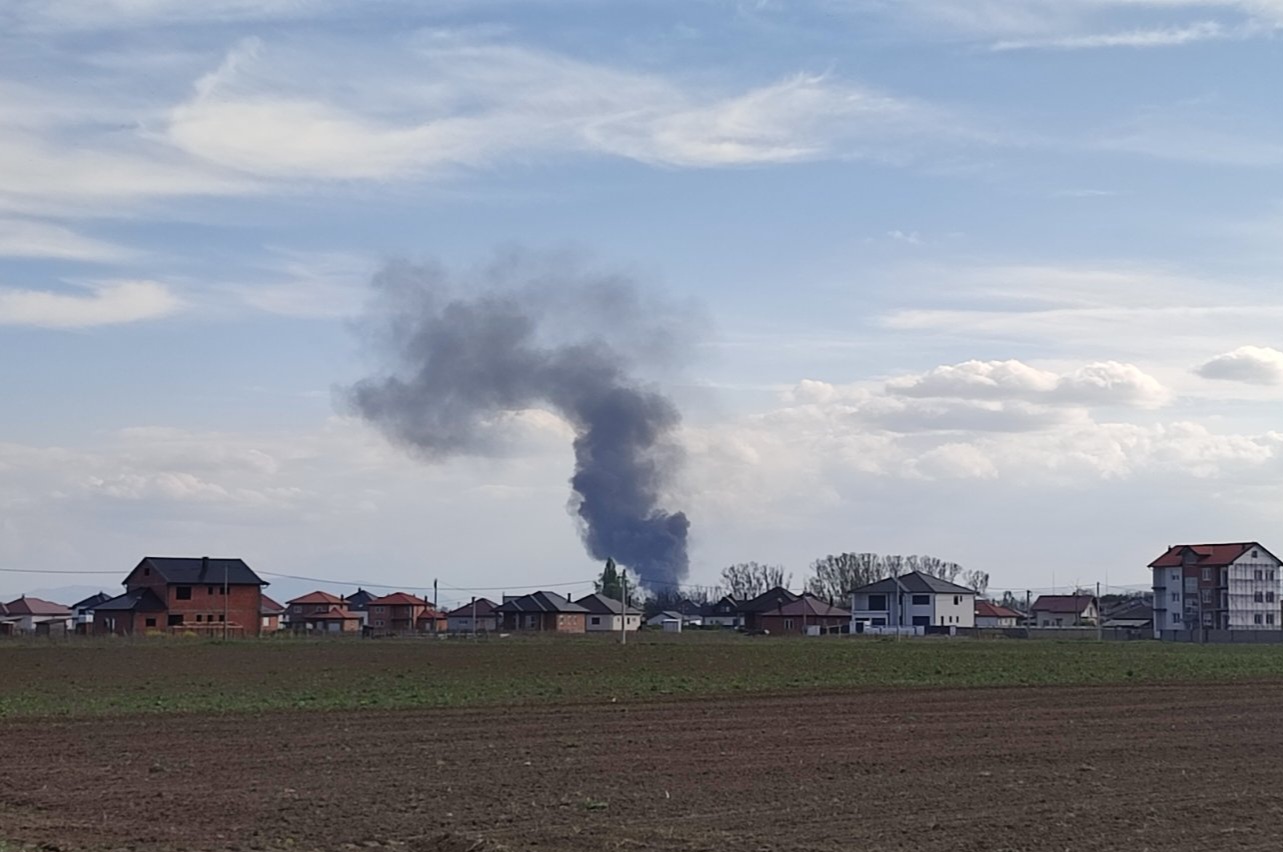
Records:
x=529, y=332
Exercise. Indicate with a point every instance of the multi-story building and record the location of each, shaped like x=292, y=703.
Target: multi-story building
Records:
x=913, y=600
x=1232, y=586
x=185, y=594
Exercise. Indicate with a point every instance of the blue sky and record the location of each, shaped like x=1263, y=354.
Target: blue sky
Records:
x=989, y=279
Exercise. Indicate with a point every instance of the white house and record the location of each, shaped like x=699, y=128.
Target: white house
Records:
x=34, y=616
x=1234, y=586
x=990, y=614
x=607, y=614
x=1064, y=611
x=669, y=616
x=913, y=600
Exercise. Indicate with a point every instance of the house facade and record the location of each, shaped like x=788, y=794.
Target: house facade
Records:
x=399, y=612
x=990, y=614
x=28, y=616
x=477, y=616
x=914, y=600
x=82, y=612
x=804, y=615
x=335, y=621
x=185, y=594
x=542, y=611
x=609, y=615
x=270, y=613
x=313, y=603
x=1064, y=611
x=1232, y=586
x=722, y=613
x=751, y=610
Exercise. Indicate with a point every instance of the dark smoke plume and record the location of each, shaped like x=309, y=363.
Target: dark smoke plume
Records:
x=531, y=332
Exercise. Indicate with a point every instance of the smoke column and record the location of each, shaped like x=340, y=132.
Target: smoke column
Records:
x=531, y=333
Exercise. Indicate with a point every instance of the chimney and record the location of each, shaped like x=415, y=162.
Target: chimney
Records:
x=204, y=565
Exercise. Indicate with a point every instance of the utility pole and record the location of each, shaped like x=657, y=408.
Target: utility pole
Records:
x=623, y=607
x=474, y=616
x=434, y=606
x=1100, y=616
x=225, y=612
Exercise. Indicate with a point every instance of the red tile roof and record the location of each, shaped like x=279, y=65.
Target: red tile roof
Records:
x=398, y=599
x=316, y=598
x=1063, y=603
x=36, y=606
x=270, y=607
x=334, y=613
x=1210, y=555
x=987, y=609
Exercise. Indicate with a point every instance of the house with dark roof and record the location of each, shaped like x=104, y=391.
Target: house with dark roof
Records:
x=990, y=614
x=6, y=626
x=477, y=616
x=543, y=611
x=37, y=617
x=1136, y=614
x=609, y=615
x=218, y=597
x=914, y=600
x=398, y=613
x=722, y=613
x=270, y=612
x=82, y=612
x=358, y=600
x=806, y=614
x=1064, y=611
x=1225, y=586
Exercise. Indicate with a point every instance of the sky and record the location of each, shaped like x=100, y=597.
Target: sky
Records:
x=991, y=280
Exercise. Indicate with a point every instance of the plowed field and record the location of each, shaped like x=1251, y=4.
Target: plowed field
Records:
x=1150, y=767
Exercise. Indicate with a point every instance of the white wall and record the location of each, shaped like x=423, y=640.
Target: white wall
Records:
x=603, y=623
x=1244, y=587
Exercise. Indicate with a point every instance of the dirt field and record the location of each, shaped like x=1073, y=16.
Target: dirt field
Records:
x=1152, y=767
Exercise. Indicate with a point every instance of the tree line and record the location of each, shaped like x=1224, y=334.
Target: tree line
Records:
x=832, y=577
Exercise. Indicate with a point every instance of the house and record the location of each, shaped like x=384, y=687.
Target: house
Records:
x=82, y=612
x=476, y=617
x=37, y=617
x=546, y=611
x=767, y=601
x=668, y=619
x=185, y=594
x=1135, y=614
x=313, y=603
x=336, y=620
x=399, y=612
x=609, y=615
x=1231, y=586
x=722, y=613
x=431, y=621
x=914, y=600
x=358, y=600
x=270, y=613
x=802, y=615
x=1064, y=611
x=990, y=614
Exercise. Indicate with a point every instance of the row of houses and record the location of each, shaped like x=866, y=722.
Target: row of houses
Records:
x=1210, y=586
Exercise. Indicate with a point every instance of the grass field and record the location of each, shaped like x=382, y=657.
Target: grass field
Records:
x=104, y=678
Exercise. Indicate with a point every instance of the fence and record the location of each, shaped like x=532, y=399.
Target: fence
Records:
x=1226, y=637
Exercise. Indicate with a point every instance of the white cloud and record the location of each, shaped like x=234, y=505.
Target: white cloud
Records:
x=261, y=113
x=30, y=238
x=1101, y=383
x=1162, y=37
x=107, y=303
x=1256, y=365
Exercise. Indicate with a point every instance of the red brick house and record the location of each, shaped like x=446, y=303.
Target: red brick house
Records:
x=270, y=613
x=545, y=611
x=297, y=610
x=399, y=612
x=335, y=620
x=799, y=616
x=218, y=597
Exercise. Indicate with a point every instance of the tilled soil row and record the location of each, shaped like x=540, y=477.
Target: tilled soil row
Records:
x=1100, y=768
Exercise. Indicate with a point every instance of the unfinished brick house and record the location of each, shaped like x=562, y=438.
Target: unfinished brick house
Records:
x=185, y=594
x=399, y=612
x=546, y=611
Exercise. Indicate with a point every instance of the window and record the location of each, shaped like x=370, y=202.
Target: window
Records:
x=788, y=624
x=879, y=622
x=1176, y=618
x=222, y=591
x=379, y=610
x=1260, y=575
x=922, y=600
x=176, y=620
x=199, y=617
x=1255, y=554
x=378, y=622
x=1258, y=597
x=151, y=622
x=222, y=617
x=1269, y=575
x=1256, y=619
x=957, y=600
x=1176, y=596
x=209, y=590
x=921, y=620
x=596, y=620
x=1269, y=597
x=878, y=603
x=1269, y=618
x=183, y=593
x=1176, y=576
x=1207, y=575
x=1207, y=596
x=147, y=573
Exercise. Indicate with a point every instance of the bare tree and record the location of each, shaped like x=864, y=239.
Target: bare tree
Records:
x=937, y=567
x=835, y=576
x=745, y=580
x=976, y=579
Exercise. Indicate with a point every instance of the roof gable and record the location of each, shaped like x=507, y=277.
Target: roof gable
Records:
x=915, y=582
x=1063, y=603
x=769, y=600
x=138, y=600
x=398, y=599
x=267, y=606
x=91, y=601
x=195, y=571
x=317, y=597
x=36, y=606
x=540, y=602
x=989, y=609
x=483, y=607
x=599, y=604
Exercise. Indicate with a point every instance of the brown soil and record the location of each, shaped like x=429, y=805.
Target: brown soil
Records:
x=1150, y=768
